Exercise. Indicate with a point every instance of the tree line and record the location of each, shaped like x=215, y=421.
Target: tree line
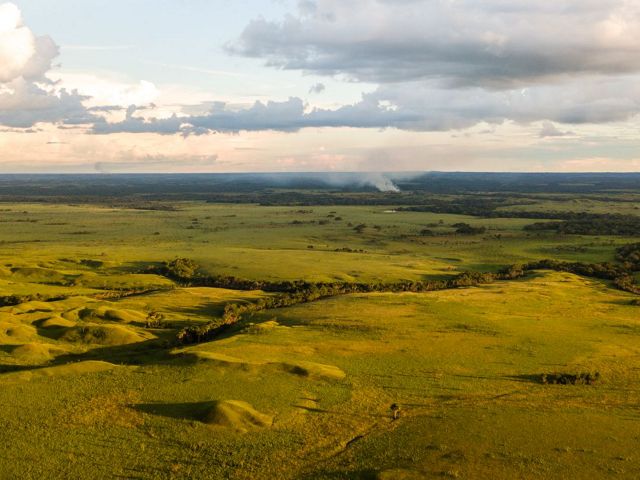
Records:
x=592, y=224
x=572, y=223
x=293, y=292
x=289, y=293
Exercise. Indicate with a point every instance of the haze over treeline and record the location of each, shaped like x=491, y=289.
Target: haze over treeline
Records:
x=199, y=184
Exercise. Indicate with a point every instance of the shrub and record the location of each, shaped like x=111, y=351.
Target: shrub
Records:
x=466, y=229
x=569, y=378
x=154, y=320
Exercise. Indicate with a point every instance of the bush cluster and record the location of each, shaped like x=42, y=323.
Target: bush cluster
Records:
x=466, y=229
x=12, y=300
x=569, y=378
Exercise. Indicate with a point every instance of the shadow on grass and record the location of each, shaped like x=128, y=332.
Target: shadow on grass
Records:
x=313, y=409
x=150, y=352
x=478, y=377
x=626, y=302
x=204, y=310
x=195, y=411
x=15, y=368
x=137, y=267
x=533, y=378
x=366, y=474
x=52, y=333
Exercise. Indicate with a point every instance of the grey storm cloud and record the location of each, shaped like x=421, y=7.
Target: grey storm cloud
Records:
x=317, y=88
x=286, y=116
x=550, y=130
x=414, y=106
x=26, y=103
x=489, y=43
x=584, y=100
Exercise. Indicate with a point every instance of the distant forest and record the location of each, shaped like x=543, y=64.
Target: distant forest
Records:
x=486, y=195
x=197, y=186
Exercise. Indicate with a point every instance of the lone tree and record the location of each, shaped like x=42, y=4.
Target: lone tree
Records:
x=181, y=269
x=154, y=319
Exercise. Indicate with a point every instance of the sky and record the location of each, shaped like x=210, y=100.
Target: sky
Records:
x=123, y=86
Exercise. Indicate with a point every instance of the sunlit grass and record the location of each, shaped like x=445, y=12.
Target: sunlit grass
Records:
x=90, y=390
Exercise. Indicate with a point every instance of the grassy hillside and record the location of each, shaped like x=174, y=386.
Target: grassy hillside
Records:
x=464, y=365
x=94, y=385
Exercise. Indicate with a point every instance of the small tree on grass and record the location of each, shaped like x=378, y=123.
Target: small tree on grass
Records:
x=154, y=320
x=395, y=411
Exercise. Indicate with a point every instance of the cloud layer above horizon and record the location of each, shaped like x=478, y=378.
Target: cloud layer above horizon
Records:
x=423, y=66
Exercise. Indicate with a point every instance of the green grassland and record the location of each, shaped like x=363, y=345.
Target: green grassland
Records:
x=264, y=242
x=90, y=389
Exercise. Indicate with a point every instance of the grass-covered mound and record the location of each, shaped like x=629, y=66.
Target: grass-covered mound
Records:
x=55, y=322
x=33, y=306
x=71, y=369
x=104, y=335
x=40, y=275
x=301, y=368
x=219, y=359
x=12, y=332
x=314, y=370
x=36, y=353
x=109, y=313
x=237, y=415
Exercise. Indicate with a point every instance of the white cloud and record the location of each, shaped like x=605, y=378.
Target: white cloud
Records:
x=22, y=54
x=17, y=44
x=27, y=96
x=109, y=89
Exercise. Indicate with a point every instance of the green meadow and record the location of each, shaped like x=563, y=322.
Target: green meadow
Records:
x=93, y=384
x=274, y=243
